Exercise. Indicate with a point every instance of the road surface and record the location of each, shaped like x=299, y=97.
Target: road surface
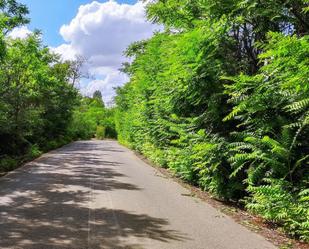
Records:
x=98, y=194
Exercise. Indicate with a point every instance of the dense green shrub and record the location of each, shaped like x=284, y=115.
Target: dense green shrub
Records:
x=34, y=152
x=91, y=119
x=100, y=132
x=276, y=201
x=220, y=97
x=8, y=164
x=180, y=162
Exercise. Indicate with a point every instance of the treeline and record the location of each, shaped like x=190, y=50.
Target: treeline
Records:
x=92, y=119
x=221, y=97
x=40, y=108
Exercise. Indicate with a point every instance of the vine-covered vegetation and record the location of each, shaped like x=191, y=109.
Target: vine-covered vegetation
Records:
x=221, y=97
x=40, y=108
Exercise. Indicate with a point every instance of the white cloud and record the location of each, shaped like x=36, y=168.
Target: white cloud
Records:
x=101, y=32
x=66, y=51
x=20, y=32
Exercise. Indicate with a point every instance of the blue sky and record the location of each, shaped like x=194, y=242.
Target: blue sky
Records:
x=50, y=15
x=99, y=31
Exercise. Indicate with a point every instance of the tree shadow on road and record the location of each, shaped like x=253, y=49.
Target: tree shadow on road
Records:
x=48, y=205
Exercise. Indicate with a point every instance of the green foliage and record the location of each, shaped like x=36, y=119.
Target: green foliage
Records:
x=100, y=132
x=276, y=202
x=98, y=95
x=109, y=123
x=12, y=15
x=220, y=97
x=272, y=107
x=210, y=163
x=34, y=152
x=92, y=119
x=36, y=100
x=40, y=109
x=180, y=162
x=7, y=164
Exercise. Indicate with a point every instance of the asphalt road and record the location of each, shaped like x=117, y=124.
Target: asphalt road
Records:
x=98, y=194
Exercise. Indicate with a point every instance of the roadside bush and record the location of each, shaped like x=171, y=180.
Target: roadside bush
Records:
x=34, y=152
x=276, y=202
x=154, y=154
x=180, y=162
x=240, y=134
x=8, y=164
x=100, y=132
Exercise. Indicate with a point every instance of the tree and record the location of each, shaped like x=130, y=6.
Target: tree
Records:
x=12, y=15
x=97, y=95
x=36, y=99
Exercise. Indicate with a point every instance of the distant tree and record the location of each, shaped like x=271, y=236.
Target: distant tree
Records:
x=97, y=95
x=98, y=99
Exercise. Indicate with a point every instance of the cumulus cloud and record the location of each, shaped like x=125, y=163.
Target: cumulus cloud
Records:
x=20, y=32
x=66, y=51
x=101, y=32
